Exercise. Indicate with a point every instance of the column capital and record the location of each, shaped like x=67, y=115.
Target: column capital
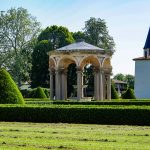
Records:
x=52, y=71
x=108, y=71
x=96, y=69
x=79, y=69
x=64, y=71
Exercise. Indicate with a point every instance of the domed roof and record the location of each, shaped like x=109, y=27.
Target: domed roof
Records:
x=79, y=46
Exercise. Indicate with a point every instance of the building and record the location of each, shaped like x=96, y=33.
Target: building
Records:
x=80, y=54
x=142, y=72
x=120, y=86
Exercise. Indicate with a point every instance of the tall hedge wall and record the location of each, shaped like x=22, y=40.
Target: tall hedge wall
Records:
x=78, y=114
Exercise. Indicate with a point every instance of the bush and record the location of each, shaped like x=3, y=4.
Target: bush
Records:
x=129, y=94
x=46, y=91
x=38, y=93
x=125, y=103
x=114, y=94
x=120, y=115
x=9, y=92
x=26, y=93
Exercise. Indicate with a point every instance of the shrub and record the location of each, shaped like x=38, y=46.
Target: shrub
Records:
x=46, y=91
x=121, y=115
x=26, y=93
x=129, y=94
x=114, y=94
x=37, y=93
x=9, y=92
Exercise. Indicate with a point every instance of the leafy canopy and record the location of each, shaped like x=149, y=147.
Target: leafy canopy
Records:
x=18, y=33
x=51, y=38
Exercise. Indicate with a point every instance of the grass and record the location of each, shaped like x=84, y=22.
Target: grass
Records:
x=33, y=136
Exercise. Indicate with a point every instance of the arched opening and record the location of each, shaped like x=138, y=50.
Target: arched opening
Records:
x=89, y=65
x=68, y=66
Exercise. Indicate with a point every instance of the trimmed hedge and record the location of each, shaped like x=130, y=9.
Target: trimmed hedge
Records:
x=129, y=94
x=37, y=99
x=9, y=92
x=128, y=115
x=114, y=94
x=38, y=93
x=139, y=103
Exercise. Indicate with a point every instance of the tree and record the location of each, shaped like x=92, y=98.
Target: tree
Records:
x=126, y=78
x=40, y=73
x=130, y=80
x=9, y=92
x=58, y=36
x=96, y=33
x=120, y=77
x=51, y=38
x=18, y=33
x=78, y=36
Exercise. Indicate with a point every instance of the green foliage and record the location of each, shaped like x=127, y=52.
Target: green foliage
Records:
x=130, y=80
x=78, y=36
x=40, y=73
x=96, y=33
x=116, y=103
x=36, y=99
x=50, y=39
x=9, y=92
x=58, y=36
x=18, y=33
x=121, y=115
x=38, y=93
x=129, y=94
x=120, y=77
x=114, y=94
x=126, y=78
x=46, y=91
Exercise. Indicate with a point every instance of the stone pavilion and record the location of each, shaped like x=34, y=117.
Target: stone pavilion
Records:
x=80, y=54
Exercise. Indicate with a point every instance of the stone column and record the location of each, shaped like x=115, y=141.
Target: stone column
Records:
x=104, y=86
x=51, y=84
x=108, y=86
x=96, y=84
x=79, y=83
x=57, y=84
x=95, y=92
x=82, y=89
x=64, y=85
x=101, y=97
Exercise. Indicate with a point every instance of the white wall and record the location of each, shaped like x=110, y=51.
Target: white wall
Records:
x=142, y=79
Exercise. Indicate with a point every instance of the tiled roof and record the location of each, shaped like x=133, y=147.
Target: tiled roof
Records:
x=118, y=81
x=147, y=43
x=79, y=46
x=142, y=58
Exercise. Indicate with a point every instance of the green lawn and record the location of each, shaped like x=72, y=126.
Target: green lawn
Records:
x=72, y=136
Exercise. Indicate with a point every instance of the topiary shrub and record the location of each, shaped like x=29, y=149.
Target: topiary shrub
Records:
x=114, y=94
x=129, y=94
x=38, y=93
x=46, y=91
x=9, y=92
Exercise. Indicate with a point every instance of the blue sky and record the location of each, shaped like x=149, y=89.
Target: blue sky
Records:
x=128, y=22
